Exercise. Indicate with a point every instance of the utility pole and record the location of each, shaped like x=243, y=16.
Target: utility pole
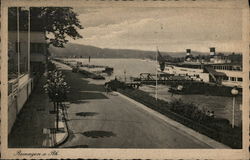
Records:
x=125, y=79
x=156, y=80
x=29, y=40
x=156, y=70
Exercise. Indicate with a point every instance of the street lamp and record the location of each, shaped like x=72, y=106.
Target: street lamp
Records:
x=125, y=79
x=156, y=61
x=156, y=73
x=234, y=92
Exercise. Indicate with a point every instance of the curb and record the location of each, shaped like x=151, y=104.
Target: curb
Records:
x=66, y=136
x=180, y=127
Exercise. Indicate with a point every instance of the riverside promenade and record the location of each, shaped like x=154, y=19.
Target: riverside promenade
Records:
x=99, y=120
x=95, y=119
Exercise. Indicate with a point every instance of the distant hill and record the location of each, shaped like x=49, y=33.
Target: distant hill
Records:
x=85, y=51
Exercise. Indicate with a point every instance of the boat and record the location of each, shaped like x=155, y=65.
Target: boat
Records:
x=216, y=69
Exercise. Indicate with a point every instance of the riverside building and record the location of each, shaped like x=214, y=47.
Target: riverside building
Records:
x=26, y=58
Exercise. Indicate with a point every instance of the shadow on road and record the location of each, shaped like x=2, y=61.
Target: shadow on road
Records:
x=79, y=97
x=78, y=102
x=98, y=134
x=86, y=114
x=77, y=82
x=81, y=90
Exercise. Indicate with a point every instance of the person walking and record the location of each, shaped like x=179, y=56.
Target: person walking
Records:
x=109, y=89
x=106, y=88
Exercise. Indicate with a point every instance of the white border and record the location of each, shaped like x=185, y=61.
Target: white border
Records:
x=130, y=153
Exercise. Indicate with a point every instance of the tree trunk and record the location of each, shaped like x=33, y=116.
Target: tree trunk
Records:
x=54, y=106
x=57, y=115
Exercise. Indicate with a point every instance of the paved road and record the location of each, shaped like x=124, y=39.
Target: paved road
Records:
x=98, y=120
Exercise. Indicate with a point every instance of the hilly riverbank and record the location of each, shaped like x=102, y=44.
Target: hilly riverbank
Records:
x=84, y=51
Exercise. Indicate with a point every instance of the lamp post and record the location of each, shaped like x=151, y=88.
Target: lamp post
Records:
x=234, y=92
x=125, y=79
x=156, y=73
x=156, y=60
x=179, y=88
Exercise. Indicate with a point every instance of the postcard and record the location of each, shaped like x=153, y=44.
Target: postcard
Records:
x=125, y=79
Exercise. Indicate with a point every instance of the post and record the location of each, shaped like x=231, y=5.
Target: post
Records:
x=29, y=41
x=18, y=46
x=54, y=106
x=57, y=116
x=156, y=80
x=125, y=79
x=18, y=54
x=234, y=92
x=233, y=112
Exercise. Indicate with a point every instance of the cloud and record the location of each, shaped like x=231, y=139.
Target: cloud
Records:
x=144, y=28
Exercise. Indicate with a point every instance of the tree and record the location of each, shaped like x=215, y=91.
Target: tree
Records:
x=58, y=22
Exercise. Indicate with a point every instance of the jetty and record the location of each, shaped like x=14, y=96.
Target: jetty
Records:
x=77, y=67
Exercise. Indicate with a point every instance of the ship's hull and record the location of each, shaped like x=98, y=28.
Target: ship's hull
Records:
x=232, y=78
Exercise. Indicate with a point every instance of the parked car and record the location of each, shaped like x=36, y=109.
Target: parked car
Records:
x=75, y=69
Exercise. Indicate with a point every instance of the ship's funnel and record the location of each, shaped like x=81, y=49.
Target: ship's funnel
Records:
x=188, y=52
x=212, y=51
x=188, y=55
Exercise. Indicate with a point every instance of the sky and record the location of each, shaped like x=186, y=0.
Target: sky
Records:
x=169, y=29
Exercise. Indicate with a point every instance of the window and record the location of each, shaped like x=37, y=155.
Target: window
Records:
x=12, y=61
x=225, y=78
x=32, y=48
x=233, y=78
x=23, y=61
x=17, y=42
x=239, y=79
x=36, y=48
x=17, y=45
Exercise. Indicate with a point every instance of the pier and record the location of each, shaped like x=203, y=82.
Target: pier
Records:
x=77, y=68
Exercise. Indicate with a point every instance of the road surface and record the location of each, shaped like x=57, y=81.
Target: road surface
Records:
x=98, y=120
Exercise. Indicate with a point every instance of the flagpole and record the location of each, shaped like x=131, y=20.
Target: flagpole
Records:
x=156, y=82
x=18, y=57
x=18, y=46
x=29, y=40
x=156, y=57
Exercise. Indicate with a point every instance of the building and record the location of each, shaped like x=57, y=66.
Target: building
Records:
x=26, y=60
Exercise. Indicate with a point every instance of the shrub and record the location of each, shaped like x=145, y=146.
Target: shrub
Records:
x=51, y=66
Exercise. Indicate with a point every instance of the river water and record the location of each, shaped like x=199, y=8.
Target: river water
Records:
x=126, y=68
x=122, y=67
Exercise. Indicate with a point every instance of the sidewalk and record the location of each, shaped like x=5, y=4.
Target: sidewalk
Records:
x=35, y=125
